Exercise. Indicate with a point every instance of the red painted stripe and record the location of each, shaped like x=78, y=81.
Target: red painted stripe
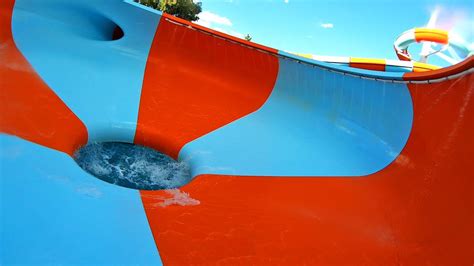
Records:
x=195, y=83
x=368, y=66
x=418, y=210
x=368, y=63
x=29, y=108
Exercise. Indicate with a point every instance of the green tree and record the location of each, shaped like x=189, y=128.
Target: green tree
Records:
x=185, y=9
x=248, y=37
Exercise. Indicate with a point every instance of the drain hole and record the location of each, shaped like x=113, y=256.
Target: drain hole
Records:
x=117, y=34
x=132, y=166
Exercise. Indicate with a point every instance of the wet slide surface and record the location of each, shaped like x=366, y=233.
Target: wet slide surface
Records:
x=294, y=161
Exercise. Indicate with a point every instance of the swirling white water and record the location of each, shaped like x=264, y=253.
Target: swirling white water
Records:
x=132, y=166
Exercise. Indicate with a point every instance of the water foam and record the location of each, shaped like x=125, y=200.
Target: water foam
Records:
x=132, y=166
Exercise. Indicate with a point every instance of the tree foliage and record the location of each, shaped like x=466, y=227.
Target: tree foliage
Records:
x=185, y=9
x=248, y=37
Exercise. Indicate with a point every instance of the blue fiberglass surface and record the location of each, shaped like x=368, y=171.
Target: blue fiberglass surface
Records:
x=315, y=123
x=55, y=213
x=69, y=44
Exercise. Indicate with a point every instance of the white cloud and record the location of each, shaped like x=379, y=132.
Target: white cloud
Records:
x=230, y=32
x=286, y=1
x=327, y=25
x=207, y=19
x=218, y=23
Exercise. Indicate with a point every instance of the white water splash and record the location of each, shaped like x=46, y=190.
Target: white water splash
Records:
x=180, y=198
x=132, y=166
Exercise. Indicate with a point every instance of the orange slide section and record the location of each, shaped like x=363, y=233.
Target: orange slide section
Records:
x=29, y=108
x=190, y=88
x=417, y=211
x=432, y=35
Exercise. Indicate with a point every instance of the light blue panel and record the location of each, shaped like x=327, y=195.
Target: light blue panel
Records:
x=52, y=212
x=315, y=123
x=69, y=44
x=389, y=68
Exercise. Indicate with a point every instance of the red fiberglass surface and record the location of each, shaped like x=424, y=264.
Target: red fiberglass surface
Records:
x=203, y=83
x=29, y=108
x=417, y=210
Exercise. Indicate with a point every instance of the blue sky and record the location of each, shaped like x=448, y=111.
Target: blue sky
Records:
x=334, y=27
